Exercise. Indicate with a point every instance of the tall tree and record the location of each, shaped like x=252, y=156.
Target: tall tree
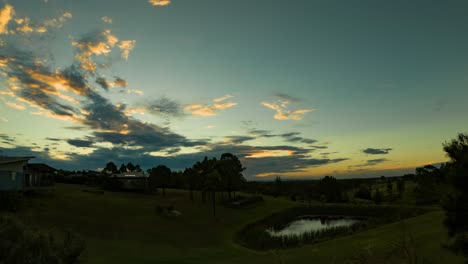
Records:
x=160, y=176
x=456, y=203
x=330, y=188
x=230, y=170
x=130, y=167
x=110, y=168
x=123, y=168
x=213, y=181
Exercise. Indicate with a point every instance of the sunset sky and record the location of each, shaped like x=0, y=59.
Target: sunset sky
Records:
x=299, y=88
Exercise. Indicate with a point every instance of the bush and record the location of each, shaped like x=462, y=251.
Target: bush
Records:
x=10, y=201
x=23, y=245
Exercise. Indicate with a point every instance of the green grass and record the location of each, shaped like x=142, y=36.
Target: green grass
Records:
x=123, y=228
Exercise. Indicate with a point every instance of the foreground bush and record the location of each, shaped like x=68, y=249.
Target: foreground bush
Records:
x=10, y=200
x=20, y=244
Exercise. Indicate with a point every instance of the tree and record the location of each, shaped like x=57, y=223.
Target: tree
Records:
x=456, y=203
x=377, y=197
x=160, y=176
x=110, y=168
x=130, y=167
x=279, y=188
x=191, y=179
x=330, y=188
x=390, y=188
x=123, y=168
x=230, y=170
x=213, y=182
x=400, y=186
x=202, y=169
x=363, y=192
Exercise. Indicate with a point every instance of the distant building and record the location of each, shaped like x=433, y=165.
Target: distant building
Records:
x=132, y=180
x=17, y=174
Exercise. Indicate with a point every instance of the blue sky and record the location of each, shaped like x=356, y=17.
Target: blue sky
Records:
x=295, y=89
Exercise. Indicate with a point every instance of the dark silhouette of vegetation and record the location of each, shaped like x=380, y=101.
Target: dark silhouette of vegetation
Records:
x=10, y=201
x=20, y=244
x=455, y=203
x=364, y=192
x=160, y=176
x=330, y=189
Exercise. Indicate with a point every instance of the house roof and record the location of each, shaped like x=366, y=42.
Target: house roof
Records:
x=4, y=159
x=41, y=167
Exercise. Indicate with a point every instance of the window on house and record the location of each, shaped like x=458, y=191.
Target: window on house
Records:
x=13, y=176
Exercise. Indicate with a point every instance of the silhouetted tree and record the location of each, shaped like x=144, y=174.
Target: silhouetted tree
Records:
x=110, y=168
x=213, y=182
x=456, y=203
x=400, y=186
x=123, y=168
x=279, y=188
x=390, y=188
x=330, y=188
x=130, y=167
x=160, y=176
x=377, y=197
x=230, y=170
x=363, y=192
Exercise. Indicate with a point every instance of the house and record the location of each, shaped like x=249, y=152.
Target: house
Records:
x=12, y=171
x=39, y=175
x=132, y=180
x=17, y=174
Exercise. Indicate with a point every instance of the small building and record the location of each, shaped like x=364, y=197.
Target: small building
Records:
x=132, y=180
x=39, y=175
x=17, y=174
x=12, y=171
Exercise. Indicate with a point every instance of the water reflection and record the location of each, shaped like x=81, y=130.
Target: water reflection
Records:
x=302, y=226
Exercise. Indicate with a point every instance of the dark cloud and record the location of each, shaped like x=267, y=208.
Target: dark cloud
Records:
x=262, y=133
x=82, y=143
x=287, y=97
x=103, y=83
x=368, y=163
x=6, y=139
x=239, y=139
x=165, y=107
x=53, y=139
x=374, y=151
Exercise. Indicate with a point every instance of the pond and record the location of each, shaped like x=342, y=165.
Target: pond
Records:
x=312, y=224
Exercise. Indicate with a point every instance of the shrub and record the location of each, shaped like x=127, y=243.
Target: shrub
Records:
x=24, y=245
x=10, y=200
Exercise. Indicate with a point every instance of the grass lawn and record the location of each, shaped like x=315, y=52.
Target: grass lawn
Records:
x=123, y=228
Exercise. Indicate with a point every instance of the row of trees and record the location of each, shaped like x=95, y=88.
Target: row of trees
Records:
x=210, y=177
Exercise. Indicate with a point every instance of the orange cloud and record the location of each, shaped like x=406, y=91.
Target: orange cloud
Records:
x=282, y=113
x=210, y=109
x=15, y=105
x=125, y=47
x=6, y=15
x=270, y=153
x=159, y=2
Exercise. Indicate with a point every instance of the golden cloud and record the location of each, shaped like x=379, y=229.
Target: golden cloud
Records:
x=125, y=47
x=210, y=109
x=159, y=2
x=282, y=113
x=270, y=153
x=6, y=15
